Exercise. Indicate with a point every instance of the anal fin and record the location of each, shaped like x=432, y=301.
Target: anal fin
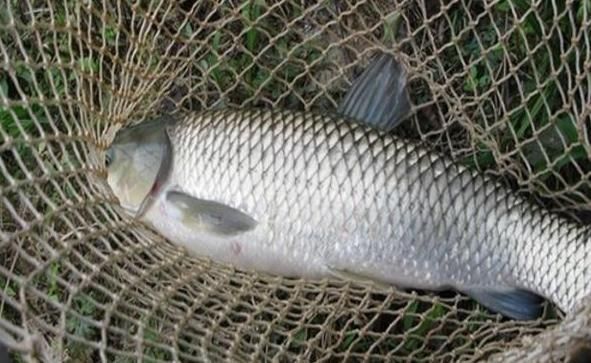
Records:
x=514, y=303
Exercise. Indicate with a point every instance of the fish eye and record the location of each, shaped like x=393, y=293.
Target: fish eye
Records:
x=108, y=157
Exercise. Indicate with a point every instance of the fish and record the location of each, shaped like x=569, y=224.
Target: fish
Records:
x=336, y=194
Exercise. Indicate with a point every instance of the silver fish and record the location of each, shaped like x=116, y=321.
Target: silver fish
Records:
x=317, y=195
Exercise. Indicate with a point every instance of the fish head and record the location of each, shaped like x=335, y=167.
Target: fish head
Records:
x=133, y=162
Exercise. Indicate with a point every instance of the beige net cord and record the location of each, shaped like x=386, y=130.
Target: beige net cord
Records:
x=503, y=86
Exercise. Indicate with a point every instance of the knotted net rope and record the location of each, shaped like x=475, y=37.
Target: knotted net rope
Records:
x=502, y=86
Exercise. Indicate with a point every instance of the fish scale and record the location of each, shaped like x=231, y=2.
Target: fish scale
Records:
x=368, y=202
x=317, y=195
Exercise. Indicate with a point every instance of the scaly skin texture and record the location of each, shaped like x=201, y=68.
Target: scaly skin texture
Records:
x=330, y=195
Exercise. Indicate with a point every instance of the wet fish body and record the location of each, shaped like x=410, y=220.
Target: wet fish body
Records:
x=317, y=195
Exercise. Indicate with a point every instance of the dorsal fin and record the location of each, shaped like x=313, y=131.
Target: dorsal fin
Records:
x=378, y=97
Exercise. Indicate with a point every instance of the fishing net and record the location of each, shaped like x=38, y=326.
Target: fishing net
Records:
x=502, y=86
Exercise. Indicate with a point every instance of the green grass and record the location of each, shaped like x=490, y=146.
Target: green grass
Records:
x=248, y=61
x=537, y=125
x=18, y=122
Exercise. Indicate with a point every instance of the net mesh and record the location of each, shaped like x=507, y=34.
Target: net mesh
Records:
x=502, y=86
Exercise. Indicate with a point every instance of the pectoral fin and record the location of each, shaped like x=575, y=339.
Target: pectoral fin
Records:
x=208, y=215
x=378, y=97
x=513, y=303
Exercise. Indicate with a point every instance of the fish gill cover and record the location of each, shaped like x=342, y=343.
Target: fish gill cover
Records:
x=501, y=86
